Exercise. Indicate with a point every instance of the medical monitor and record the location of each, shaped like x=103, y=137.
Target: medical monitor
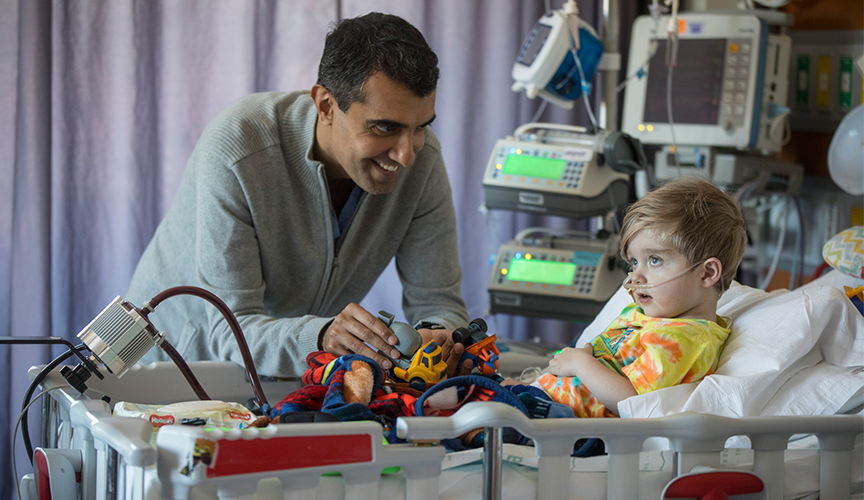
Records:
x=571, y=280
x=567, y=180
x=729, y=78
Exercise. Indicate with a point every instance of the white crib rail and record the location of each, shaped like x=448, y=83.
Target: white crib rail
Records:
x=297, y=455
x=111, y=445
x=697, y=439
x=106, y=441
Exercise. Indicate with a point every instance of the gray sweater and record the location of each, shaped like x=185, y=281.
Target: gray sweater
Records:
x=251, y=222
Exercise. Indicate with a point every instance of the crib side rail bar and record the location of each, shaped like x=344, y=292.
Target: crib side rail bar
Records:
x=693, y=436
x=95, y=430
x=233, y=461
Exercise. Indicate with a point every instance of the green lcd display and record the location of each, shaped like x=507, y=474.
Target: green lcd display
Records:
x=542, y=271
x=532, y=166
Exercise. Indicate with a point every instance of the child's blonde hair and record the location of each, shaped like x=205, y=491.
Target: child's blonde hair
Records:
x=697, y=218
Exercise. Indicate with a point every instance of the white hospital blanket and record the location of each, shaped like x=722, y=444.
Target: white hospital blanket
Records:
x=790, y=353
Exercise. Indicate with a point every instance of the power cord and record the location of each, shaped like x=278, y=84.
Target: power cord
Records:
x=23, y=417
x=83, y=370
x=25, y=428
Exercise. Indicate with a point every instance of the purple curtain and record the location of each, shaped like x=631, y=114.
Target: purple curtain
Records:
x=105, y=100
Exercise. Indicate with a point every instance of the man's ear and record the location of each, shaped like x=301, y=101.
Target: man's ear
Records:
x=324, y=103
x=712, y=270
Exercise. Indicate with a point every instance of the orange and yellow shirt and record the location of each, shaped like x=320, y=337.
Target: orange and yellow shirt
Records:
x=653, y=353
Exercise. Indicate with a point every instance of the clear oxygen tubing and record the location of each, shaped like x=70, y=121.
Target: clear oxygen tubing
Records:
x=671, y=62
x=581, y=136
x=585, y=89
x=801, y=240
x=797, y=269
x=571, y=11
x=631, y=287
x=527, y=127
x=540, y=110
x=654, y=10
x=783, y=220
x=523, y=234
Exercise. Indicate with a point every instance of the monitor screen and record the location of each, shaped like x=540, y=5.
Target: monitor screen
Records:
x=533, y=166
x=533, y=44
x=542, y=271
x=697, y=83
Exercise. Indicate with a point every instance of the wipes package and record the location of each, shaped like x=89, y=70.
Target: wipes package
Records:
x=206, y=413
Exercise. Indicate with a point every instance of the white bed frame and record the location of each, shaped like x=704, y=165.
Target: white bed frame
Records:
x=118, y=461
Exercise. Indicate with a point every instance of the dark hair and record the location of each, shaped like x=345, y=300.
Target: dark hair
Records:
x=358, y=47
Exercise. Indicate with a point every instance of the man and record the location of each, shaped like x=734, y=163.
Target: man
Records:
x=292, y=204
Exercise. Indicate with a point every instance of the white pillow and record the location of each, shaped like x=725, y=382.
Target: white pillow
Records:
x=836, y=279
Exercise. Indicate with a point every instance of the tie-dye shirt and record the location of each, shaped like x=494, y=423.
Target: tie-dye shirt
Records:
x=653, y=353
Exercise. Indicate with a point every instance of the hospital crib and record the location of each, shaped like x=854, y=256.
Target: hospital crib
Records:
x=117, y=458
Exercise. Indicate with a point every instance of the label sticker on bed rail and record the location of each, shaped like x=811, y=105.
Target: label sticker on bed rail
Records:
x=203, y=453
x=246, y=456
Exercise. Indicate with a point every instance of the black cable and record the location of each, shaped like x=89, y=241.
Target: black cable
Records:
x=199, y=391
x=25, y=429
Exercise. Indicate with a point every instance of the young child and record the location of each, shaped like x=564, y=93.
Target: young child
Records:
x=684, y=242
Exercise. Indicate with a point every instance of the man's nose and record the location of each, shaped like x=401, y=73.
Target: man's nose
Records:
x=404, y=151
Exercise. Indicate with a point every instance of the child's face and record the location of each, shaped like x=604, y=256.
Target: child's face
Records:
x=654, y=261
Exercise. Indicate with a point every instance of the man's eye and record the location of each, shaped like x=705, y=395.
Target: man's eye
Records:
x=385, y=129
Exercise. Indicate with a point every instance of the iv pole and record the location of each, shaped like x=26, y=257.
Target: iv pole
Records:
x=611, y=62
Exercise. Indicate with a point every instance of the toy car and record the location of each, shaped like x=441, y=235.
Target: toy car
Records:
x=427, y=367
x=480, y=349
x=418, y=365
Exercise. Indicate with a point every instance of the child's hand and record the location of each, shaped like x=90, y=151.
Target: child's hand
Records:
x=566, y=362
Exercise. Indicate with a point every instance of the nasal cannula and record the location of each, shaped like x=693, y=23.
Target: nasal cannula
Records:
x=629, y=286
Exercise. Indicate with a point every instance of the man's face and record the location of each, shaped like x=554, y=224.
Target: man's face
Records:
x=375, y=139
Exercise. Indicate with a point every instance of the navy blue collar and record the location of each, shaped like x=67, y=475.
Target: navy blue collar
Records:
x=340, y=222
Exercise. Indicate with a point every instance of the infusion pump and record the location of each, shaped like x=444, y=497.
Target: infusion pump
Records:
x=561, y=170
x=565, y=278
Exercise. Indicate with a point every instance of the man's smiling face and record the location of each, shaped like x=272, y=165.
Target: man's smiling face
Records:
x=378, y=136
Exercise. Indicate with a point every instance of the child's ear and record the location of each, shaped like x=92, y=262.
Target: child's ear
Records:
x=712, y=270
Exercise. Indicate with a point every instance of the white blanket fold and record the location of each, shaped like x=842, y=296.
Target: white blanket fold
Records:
x=790, y=353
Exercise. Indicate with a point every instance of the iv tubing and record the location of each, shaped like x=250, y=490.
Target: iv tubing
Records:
x=521, y=235
x=185, y=370
x=584, y=90
x=232, y=323
x=767, y=280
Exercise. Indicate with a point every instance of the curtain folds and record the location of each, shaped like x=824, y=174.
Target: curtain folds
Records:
x=105, y=100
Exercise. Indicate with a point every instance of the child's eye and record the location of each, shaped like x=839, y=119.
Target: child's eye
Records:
x=654, y=261
x=633, y=263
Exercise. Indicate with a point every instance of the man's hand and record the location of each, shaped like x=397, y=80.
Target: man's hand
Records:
x=566, y=363
x=354, y=327
x=450, y=351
